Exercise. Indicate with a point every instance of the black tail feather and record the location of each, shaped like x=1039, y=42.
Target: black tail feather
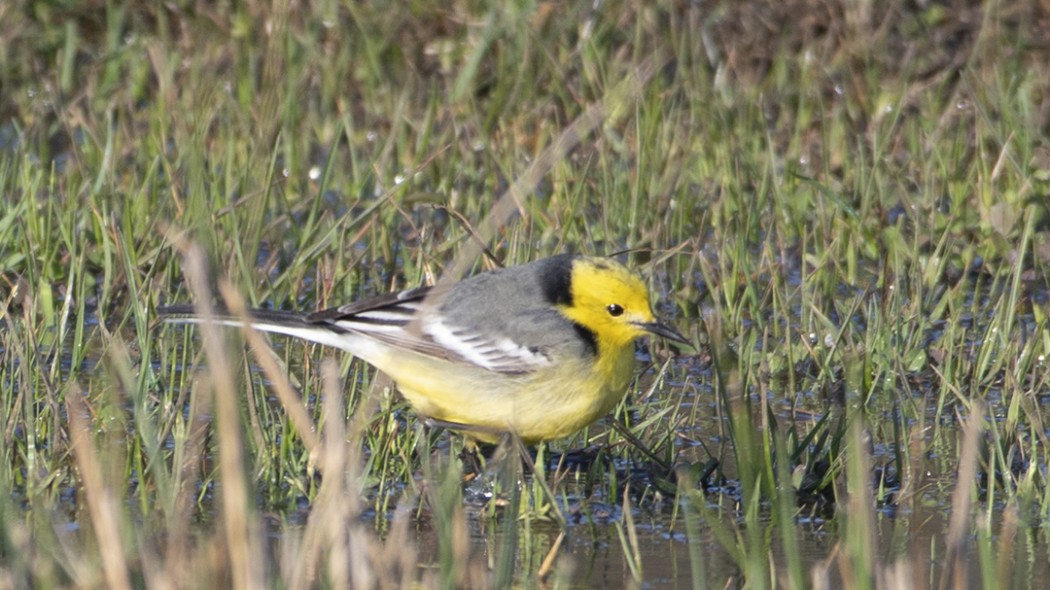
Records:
x=269, y=316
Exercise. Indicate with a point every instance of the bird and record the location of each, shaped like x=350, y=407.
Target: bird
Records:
x=539, y=350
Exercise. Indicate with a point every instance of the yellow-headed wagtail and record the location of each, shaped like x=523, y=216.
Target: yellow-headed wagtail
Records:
x=540, y=350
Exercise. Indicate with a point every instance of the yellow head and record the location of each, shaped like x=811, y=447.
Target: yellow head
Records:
x=612, y=303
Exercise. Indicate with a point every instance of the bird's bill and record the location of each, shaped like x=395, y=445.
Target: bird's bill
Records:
x=664, y=331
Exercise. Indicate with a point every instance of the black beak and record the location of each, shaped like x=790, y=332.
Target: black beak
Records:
x=664, y=331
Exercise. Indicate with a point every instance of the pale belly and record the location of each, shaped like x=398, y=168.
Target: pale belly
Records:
x=536, y=407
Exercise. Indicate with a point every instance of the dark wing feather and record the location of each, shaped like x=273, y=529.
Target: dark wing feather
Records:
x=397, y=301
x=386, y=318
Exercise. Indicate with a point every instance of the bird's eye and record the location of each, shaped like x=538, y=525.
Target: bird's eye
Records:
x=615, y=310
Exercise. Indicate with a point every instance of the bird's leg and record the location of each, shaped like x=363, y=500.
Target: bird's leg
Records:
x=475, y=453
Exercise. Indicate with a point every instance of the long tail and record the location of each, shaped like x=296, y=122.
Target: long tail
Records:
x=289, y=323
x=187, y=314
